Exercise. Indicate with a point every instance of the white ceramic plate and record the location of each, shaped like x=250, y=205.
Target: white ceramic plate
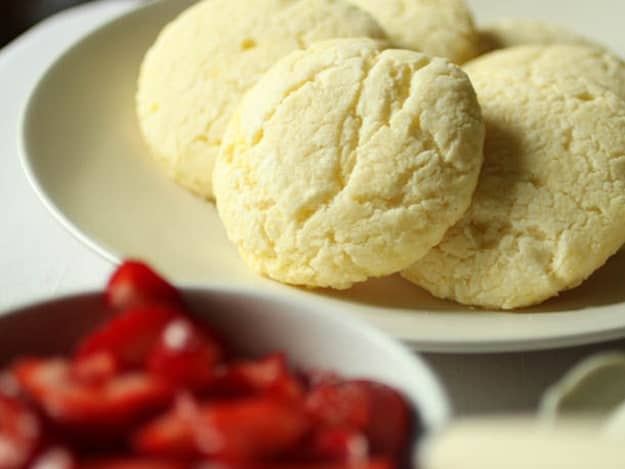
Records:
x=84, y=155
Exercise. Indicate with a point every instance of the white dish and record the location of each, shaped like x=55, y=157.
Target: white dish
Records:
x=84, y=156
x=254, y=324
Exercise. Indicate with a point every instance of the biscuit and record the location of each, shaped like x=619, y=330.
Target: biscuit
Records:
x=585, y=62
x=441, y=28
x=347, y=162
x=202, y=63
x=512, y=32
x=549, y=208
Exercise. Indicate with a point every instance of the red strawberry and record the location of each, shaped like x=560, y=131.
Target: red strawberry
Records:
x=55, y=458
x=269, y=375
x=135, y=284
x=114, y=404
x=373, y=464
x=314, y=378
x=378, y=411
x=20, y=433
x=340, y=404
x=252, y=429
x=237, y=430
x=129, y=462
x=133, y=463
x=130, y=336
x=185, y=356
x=171, y=435
x=340, y=445
x=97, y=368
x=390, y=420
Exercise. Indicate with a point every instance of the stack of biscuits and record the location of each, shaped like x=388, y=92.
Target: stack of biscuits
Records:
x=349, y=139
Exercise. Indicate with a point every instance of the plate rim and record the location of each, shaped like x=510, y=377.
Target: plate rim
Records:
x=468, y=345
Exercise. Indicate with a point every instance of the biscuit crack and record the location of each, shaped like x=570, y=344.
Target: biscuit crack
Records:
x=258, y=137
x=345, y=165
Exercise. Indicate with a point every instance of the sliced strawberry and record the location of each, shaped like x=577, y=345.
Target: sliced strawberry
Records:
x=252, y=377
x=287, y=387
x=340, y=404
x=129, y=462
x=115, y=404
x=314, y=378
x=390, y=420
x=130, y=336
x=251, y=429
x=20, y=433
x=235, y=430
x=97, y=368
x=340, y=445
x=185, y=355
x=171, y=435
x=55, y=458
x=9, y=387
x=135, y=284
x=372, y=464
x=375, y=409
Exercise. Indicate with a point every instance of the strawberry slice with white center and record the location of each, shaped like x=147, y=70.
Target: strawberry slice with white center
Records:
x=55, y=458
x=130, y=336
x=130, y=462
x=185, y=355
x=376, y=410
x=340, y=444
x=114, y=404
x=372, y=464
x=135, y=284
x=97, y=368
x=242, y=430
x=268, y=376
x=20, y=433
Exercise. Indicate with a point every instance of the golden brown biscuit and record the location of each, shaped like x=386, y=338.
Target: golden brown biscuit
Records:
x=347, y=161
x=203, y=62
x=589, y=63
x=549, y=208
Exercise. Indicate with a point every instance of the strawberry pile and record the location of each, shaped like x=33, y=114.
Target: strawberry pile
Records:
x=155, y=389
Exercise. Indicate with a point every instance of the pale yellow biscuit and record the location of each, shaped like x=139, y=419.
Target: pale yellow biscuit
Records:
x=441, y=28
x=346, y=162
x=549, y=208
x=589, y=63
x=201, y=64
x=512, y=32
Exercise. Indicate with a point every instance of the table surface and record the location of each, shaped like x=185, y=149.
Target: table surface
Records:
x=39, y=259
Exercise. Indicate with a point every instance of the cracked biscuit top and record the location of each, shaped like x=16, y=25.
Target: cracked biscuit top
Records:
x=201, y=64
x=347, y=161
x=585, y=62
x=549, y=208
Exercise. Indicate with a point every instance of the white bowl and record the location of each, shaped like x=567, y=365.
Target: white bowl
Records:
x=254, y=324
